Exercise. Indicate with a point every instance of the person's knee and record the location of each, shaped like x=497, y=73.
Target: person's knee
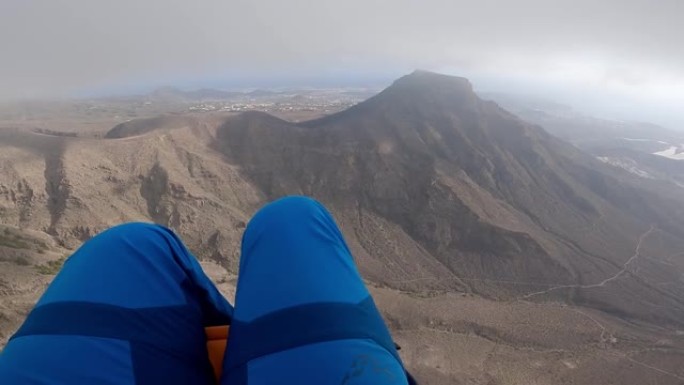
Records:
x=134, y=238
x=130, y=258
x=126, y=230
x=292, y=204
x=287, y=211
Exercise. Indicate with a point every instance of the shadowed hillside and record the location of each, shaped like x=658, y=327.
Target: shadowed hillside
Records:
x=494, y=200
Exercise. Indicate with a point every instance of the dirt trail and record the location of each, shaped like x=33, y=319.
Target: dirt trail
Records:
x=532, y=283
x=637, y=252
x=647, y=366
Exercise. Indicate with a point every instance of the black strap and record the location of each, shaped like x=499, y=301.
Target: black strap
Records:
x=158, y=326
x=304, y=325
x=167, y=344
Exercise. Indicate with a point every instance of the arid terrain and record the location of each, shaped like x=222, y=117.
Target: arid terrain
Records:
x=498, y=254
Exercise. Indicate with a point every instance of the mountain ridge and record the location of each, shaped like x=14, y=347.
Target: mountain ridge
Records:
x=493, y=149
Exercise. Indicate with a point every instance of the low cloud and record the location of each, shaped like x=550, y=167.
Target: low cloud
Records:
x=60, y=47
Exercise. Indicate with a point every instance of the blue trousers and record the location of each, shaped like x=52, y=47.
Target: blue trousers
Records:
x=130, y=307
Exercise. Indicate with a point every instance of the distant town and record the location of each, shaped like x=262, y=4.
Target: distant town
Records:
x=320, y=100
x=92, y=116
x=303, y=105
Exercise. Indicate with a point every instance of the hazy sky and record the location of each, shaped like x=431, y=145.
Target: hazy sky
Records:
x=622, y=57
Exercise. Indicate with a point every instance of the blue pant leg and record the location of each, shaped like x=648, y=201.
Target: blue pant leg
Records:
x=303, y=314
x=128, y=307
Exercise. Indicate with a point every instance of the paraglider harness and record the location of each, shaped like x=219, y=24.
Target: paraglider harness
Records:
x=217, y=339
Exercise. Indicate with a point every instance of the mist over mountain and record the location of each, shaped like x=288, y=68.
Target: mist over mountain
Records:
x=646, y=150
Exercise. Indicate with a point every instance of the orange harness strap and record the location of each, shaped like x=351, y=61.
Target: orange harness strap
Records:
x=217, y=338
